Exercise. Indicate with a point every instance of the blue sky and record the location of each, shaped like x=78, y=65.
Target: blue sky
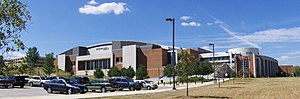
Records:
x=273, y=26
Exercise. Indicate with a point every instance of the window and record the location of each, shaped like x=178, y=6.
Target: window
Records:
x=81, y=65
x=119, y=60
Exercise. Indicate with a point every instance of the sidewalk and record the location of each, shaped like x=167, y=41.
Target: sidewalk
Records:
x=162, y=88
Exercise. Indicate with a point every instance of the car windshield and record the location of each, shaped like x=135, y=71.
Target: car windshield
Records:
x=130, y=80
x=43, y=78
x=149, y=82
x=70, y=81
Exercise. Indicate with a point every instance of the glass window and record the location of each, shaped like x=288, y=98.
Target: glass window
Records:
x=119, y=60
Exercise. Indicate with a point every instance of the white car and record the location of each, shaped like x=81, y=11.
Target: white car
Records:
x=147, y=84
x=37, y=81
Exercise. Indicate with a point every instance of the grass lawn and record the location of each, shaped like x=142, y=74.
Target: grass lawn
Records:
x=254, y=88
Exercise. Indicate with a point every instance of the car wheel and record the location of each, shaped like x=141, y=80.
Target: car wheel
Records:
x=149, y=88
x=22, y=86
x=49, y=90
x=120, y=89
x=42, y=85
x=131, y=88
x=69, y=91
x=102, y=89
x=11, y=86
x=112, y=90
x=31, y=84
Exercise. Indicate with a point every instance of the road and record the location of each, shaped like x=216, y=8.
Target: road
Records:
x=39, y=93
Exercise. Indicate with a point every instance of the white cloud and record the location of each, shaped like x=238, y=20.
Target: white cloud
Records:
x=206, y=48
x=209, y=23
x=92, y=2
x=275, y=35
x=190, y=24
x=105, y=8
x=224, y=26
x=13, y=55
x=185, y=17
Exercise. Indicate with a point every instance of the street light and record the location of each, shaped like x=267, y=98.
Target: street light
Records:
x=173, y=52
x=213, y=45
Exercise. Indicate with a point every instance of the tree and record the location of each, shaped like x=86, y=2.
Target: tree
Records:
x=5, y=69
x=207, y=67
x=48, y=67
x=114, y=72
x=14, y=17
x=23, y=68
x=32, y=55
x=296, y=70
x=130, y=72
x=168, y=71
x=185, y=68
x=123, y=72
x=141, y=73
x=98, y=73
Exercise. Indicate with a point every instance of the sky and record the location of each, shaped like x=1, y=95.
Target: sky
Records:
x=272, y=26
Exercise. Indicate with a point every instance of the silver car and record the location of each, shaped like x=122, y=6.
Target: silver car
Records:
x=147, y=84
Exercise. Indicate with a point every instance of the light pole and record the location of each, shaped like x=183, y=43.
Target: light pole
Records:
x=173, y=52
x=213, y=45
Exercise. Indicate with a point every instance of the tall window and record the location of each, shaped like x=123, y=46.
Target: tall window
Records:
x=119, y=60
x=245, y=64
x=94, y=64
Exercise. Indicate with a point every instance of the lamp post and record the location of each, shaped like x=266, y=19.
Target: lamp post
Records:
x=173, y=52
x=213, y=45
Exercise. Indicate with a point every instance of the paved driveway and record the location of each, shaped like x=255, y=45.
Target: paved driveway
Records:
x=40, y=93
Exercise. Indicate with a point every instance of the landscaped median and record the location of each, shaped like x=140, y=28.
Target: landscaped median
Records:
x=247, y=88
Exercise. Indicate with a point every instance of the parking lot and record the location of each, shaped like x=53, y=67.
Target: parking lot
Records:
x=38, y=93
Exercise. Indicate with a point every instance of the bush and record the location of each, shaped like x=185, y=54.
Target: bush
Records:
x=98, y=73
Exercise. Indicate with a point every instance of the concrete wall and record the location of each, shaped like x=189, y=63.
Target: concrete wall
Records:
x=61, y=61
x=130, y=56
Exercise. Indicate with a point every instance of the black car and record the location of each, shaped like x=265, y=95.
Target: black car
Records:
x=103, y=85
x=81, y=80
x=125, y=82
x=65, y=85
x=17, y=81
x=4, y=82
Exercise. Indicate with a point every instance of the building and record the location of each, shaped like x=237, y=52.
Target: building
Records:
x=84, y=60
x=286, y=69
x=247, y=61
x=18, y=61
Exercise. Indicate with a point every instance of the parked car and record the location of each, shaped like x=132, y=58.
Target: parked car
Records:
x=26, y=78
x=147, y=84
x=64, y=85
x=103, y=85
x=4, y=82
x=16, y=81
x=37, y=81
x=81, y=80
x=125, y=82
x=54, y=77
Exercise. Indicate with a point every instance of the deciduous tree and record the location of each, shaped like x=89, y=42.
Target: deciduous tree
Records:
x=48, y=67
x=14, y=17
x=141, y=73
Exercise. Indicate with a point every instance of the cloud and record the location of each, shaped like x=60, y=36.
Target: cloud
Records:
x=190, y=24
x=104, y=8
x=13, y=55
x=92, y=2
x=224, y=26
x=209, y=23
x=206, y=48
x=185, y=17
x=275, y=35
